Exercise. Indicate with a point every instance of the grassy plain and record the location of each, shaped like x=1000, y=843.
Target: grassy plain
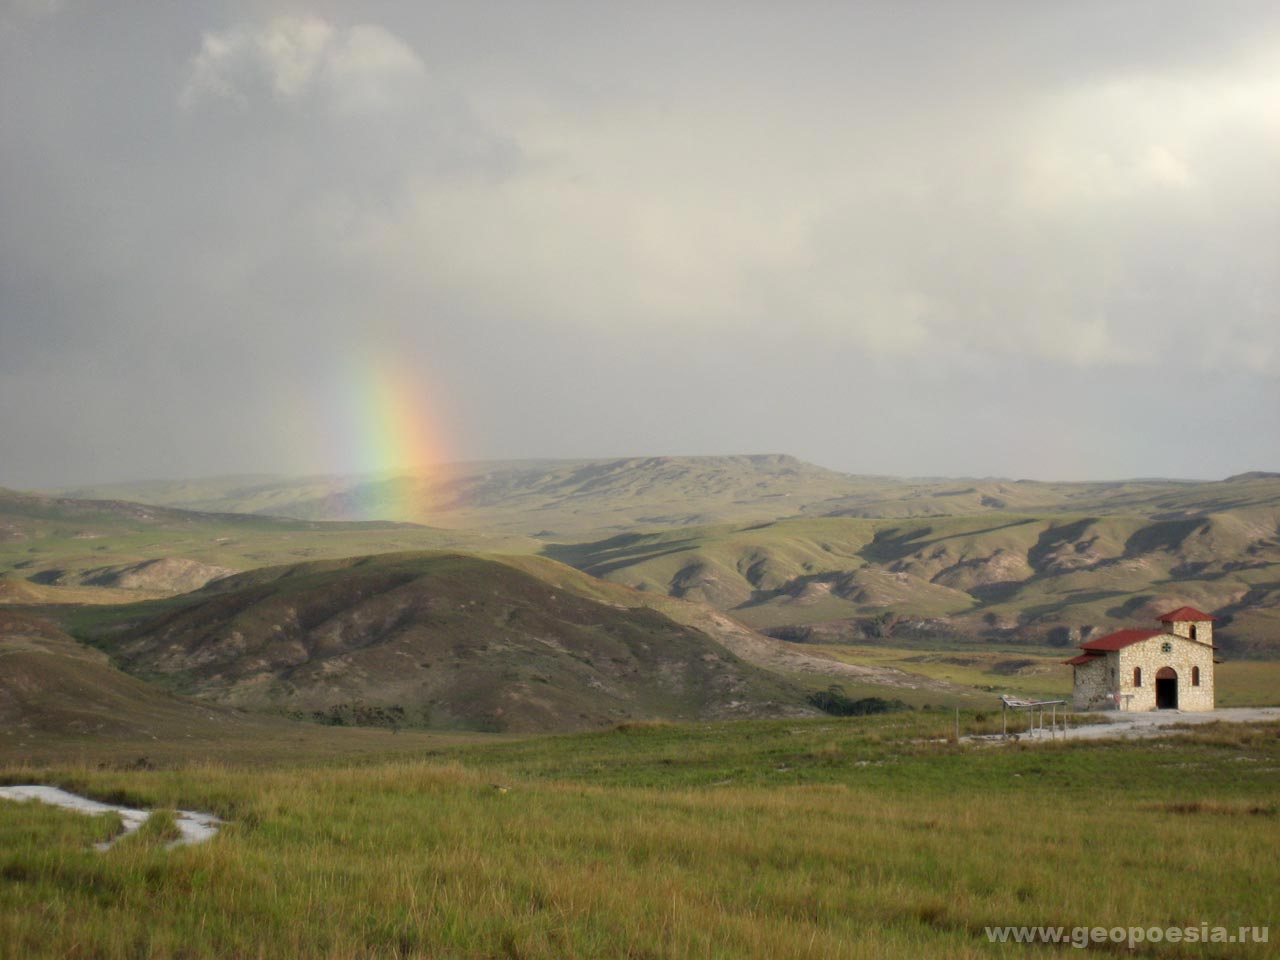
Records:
x=825, y=838
x=1247, y=683
x=986, y=673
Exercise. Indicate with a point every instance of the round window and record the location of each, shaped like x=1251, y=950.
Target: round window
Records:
x=1166, y=647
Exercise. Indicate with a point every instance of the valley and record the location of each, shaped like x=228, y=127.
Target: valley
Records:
x=927, y=592
x=575, y=711
x=785, y=547
x=388, y=624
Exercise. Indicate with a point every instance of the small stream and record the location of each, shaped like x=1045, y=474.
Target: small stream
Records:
x=194, y=827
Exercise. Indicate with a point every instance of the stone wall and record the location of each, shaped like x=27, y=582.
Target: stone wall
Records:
x=1093, y=684
x=1184, y=656
x=1203, y=630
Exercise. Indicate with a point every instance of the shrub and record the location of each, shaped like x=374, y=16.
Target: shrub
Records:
x=833, y=701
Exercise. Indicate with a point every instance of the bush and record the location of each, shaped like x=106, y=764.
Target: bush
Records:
x=361, y=714
x=833, y=701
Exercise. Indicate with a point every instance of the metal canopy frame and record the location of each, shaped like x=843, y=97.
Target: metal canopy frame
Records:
x=1034, y=708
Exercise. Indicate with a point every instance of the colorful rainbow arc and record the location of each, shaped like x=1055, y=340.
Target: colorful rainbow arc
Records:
x=387, y=429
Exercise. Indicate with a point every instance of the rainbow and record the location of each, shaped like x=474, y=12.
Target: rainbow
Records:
x=383, y=428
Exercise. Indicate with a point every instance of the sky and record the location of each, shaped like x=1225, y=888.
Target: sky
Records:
x=917, y=238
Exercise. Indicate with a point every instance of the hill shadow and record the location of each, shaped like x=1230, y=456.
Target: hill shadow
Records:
x=1165, y=535
x=1054, y=538
x=605, y=556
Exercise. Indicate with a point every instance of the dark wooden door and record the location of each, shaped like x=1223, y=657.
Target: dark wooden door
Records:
x=1167, y=689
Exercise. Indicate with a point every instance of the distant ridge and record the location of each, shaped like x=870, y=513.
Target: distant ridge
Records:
x=551, y=497
x=579, y=499
x=1253, y=475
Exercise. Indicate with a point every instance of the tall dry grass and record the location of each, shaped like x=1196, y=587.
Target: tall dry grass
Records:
x=876, y=850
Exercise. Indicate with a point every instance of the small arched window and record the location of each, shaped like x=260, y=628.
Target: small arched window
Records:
x=1193, y=631
x=1195, y=676
x=1137, y=676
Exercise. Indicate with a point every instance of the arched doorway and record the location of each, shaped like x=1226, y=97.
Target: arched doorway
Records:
x=1166, y=689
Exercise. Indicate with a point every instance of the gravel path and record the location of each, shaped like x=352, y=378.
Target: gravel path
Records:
x=1156, y=723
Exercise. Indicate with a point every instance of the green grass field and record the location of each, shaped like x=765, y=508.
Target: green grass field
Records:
x=987, y=673
x=853, y=838
x=1247, y=683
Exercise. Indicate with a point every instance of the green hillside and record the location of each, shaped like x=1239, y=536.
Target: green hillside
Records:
x=52, y=688
x=996, y=576
x=96, y=551
x=800, y=551
x=438, y=640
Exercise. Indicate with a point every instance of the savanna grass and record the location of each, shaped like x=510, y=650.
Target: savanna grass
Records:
x=814, y=839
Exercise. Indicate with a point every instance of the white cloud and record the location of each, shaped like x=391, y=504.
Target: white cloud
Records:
x=356, y=69
x=1161, y=166
x=368, y=69
x=1118, y=137
x=1095, y=222
x=1115, y=222
x=763, y=209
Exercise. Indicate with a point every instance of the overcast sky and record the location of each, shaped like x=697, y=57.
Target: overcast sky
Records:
x=944, y=238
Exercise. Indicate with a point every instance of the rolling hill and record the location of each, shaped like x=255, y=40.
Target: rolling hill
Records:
x=788, y=547
x=439, y=640
x=995, y=576
x=60, y=549
x=52, y=685
x=61, y=700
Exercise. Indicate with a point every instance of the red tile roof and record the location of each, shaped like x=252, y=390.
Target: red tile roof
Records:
x=1120, y=639
x=1083, y=658
x=1183, y=614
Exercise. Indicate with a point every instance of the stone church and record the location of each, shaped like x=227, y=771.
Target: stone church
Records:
x=1166, y=669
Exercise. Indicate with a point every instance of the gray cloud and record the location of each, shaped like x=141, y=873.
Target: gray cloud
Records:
x=921, y=238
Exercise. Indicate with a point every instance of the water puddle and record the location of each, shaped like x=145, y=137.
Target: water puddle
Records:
x=194, y=827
